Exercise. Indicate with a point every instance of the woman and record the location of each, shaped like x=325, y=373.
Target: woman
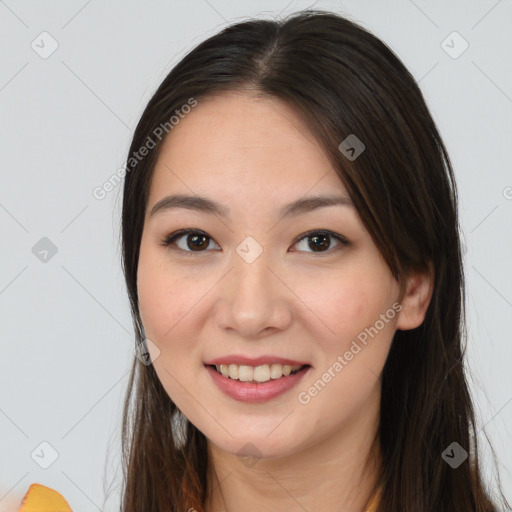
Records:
x=298, y=214
x=292, y=256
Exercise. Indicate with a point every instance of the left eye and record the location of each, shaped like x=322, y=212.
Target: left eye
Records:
x=198, y=241
x=319, y=240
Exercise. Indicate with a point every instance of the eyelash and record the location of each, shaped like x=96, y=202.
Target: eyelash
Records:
x=171, y=239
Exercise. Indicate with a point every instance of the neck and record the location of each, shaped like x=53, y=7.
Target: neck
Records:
x=337, y=473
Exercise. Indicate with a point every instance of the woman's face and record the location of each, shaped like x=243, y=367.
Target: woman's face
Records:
x=255, y=286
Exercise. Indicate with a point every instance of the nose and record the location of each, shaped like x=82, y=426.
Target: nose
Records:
x=253, y=300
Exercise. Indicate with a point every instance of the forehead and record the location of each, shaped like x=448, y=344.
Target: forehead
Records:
x=236, y=145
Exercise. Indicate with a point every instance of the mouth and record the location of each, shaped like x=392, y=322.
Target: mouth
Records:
x=257, y=374
x=256, y=384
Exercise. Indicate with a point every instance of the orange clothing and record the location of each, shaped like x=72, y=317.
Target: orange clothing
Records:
x=40, y=498
x=374, y=502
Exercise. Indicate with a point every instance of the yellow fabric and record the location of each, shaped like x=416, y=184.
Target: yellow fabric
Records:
x=372, y=506
x=40, y=498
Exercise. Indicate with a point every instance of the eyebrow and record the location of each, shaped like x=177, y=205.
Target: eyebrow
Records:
x=205, y=205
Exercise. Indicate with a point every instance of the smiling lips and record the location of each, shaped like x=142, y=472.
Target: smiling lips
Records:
x=261, y=369
x=255, y=380
x=254, y=391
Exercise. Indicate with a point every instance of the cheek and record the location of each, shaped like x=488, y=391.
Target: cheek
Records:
x=165, y=304
x=346, y=304
x=163, y=300
x=349, y=307
x=353, y=353
x=153, y=299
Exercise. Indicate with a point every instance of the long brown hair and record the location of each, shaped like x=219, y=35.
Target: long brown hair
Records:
x=341, y=80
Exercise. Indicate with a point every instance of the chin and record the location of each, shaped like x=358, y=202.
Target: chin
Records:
x=255, y=447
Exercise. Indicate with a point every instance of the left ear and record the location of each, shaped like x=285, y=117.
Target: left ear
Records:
x=417, y=295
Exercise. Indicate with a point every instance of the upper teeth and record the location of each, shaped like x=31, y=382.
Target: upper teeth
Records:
x=261, y=373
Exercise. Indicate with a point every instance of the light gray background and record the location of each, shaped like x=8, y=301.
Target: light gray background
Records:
x=66, y=123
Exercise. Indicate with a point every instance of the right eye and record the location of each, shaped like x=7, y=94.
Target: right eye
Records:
x=194, y=241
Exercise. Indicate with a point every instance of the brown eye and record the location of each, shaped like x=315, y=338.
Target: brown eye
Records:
x=197, y=242
x=188, y=240
x=320, y=241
